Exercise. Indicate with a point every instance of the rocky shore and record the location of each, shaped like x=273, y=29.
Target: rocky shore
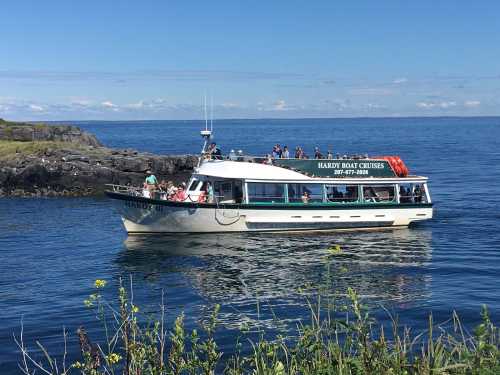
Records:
x=43, y=160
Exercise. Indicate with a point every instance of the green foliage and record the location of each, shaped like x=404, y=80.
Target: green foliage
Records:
x=9, y=149
x=328, y=344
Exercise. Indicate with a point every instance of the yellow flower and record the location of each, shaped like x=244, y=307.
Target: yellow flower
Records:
x=77, y=365
x=100, y=283
x=135, y=309
x=113, y=358
x=335, y=250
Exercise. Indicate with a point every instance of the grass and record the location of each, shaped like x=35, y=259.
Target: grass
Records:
x=340, y=338
x=10, y=149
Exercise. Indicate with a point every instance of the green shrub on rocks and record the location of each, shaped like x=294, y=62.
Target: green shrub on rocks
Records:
x=338, y=340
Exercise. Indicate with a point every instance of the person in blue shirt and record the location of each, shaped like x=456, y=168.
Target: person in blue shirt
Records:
x=151, y=182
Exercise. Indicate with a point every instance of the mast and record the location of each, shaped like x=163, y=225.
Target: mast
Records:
x=206, y=134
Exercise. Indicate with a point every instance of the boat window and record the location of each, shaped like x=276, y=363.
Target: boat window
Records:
x=341, y=193
x=261, y=192
x=378, y=193
x=412, y=193
x=194, y=185
x=296, y=192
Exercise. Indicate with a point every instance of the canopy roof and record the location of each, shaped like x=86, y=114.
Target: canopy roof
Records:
x=248, y=171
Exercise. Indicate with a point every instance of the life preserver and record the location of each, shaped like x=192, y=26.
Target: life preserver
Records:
x=397, y=165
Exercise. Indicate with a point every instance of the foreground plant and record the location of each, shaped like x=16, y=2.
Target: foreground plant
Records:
x=339, y=339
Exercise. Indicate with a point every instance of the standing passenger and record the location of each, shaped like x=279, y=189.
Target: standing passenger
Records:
x=151, y=182
x=286, y=153
x=210, y=193
x=298, y=152
x=317, y=153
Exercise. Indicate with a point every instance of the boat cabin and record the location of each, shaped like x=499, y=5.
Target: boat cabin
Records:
x=261, y=184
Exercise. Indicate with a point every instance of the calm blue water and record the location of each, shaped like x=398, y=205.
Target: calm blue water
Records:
x=53, y=249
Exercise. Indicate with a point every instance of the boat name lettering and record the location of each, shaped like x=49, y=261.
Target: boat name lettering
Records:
x=350, y=165
x=143, y=205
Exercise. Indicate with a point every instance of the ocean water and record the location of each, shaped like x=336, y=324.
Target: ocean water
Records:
x=53, y=249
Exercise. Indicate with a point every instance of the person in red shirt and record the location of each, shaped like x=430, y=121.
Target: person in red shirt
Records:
x=180, y=195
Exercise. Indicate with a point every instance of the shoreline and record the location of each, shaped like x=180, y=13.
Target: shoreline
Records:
x=38, y=160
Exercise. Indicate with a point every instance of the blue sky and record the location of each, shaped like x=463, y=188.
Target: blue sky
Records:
x=126, y=60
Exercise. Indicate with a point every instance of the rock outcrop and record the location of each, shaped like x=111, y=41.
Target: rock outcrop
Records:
x=24, y=132
x=76, y=164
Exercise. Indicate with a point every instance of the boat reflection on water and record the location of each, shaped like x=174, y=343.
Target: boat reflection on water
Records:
x=236, y=270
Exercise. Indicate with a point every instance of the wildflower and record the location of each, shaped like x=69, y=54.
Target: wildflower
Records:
x=88, y=303
x=113, y=358
x=100, y=283
x=279, y=368
x=77, y=364
x=335, y=250
x=135, y=309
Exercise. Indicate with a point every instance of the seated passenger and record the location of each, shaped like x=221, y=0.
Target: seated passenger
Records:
x=305, y=197
x=180, y=195
x=202, y=198
x=268, y=159
x=418, y=194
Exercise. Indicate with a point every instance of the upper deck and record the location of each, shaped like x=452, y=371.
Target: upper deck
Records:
x=310, y=170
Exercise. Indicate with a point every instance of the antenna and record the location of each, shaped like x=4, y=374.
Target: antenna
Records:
x=211, y=113
x=206, y=118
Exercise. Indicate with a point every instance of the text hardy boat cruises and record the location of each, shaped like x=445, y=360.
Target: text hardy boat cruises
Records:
x=249, y=194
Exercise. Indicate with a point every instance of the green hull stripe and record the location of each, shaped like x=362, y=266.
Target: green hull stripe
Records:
x=359, y=206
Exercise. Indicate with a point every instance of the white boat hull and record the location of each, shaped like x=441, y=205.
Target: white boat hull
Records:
x=149, y=216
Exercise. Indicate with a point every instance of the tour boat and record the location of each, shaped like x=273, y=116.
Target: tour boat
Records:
x=252, y=194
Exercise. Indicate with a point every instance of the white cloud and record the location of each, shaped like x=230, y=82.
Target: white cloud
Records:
x=108, y=104
x=280, y=105
x=375, y=106
x=472, y=103
x=426, y=105
x=442, y=105
x=400, y=80
x=229, y=105
x=36, y=108
x=447, y=104
x=372, y=91
x=81, y=102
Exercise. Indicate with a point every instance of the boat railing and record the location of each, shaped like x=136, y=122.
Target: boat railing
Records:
x=125, y=189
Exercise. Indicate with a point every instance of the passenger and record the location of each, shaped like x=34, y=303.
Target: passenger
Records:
x=214, y=152
x=335, y=195
x=274, y=152
x=268, y=159
x=298, y=152
x=202, y=198
x=317, y=153
x=418, y=194
x=329, y=155
x=286, y=153
x=279, y=151
x=180, y=195
x=151, y=183
x=238, y=194
x=404, y=195
x=210, y=193
x=305, y=197
x=171, y=190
